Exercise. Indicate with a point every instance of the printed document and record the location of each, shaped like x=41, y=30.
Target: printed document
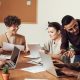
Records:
x=34, y=69
x=10, y=47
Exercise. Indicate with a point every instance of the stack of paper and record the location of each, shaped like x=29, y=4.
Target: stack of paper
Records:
x=5, y=56
x=34, y=69
x=33, y=56
x=35, y=61
x=10, y=47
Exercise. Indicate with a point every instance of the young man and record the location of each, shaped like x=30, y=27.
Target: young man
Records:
x=70, y=33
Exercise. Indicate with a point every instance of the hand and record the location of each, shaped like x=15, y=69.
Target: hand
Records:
x=70, y=53
x=55, y=56
x=57, y=61
x=62, y=51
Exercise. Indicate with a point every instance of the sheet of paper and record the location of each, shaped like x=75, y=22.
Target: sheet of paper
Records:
x=34, y=69
x=35, y=61
x=5, y=56
x=33, y=56
x=9, y=46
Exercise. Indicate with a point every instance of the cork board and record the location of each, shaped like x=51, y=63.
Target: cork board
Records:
x=27, y=13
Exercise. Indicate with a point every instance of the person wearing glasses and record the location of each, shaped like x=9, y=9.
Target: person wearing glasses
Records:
x=70, y=32
x=11, y=36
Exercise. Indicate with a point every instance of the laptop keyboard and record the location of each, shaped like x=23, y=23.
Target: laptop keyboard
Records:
x=10, y=64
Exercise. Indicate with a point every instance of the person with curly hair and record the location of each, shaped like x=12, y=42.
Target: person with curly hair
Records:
x=11, y=36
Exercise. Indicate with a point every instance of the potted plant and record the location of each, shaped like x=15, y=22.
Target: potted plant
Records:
x=5, y=73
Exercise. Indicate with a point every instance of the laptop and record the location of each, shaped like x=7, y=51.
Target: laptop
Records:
x=49, y=66
x=45, y=64
x=48, y=63
x=14, y=58
x=34, y=50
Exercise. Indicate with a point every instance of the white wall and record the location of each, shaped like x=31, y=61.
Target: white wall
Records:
x=48, y=10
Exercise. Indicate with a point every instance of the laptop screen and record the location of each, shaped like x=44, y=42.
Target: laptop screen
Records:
x=34, y=50
x=47, y=63
x=15, y=55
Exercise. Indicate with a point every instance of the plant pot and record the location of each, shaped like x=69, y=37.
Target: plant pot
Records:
x=5, y=76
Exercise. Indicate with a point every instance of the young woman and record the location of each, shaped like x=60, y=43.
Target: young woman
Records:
x=52, y=47
x=12, y=23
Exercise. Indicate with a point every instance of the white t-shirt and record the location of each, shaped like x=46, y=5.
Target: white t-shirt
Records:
x=52, y=47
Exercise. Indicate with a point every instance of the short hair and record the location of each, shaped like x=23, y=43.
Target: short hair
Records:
x=66, y=20
x=55, y=25
x=12, y=20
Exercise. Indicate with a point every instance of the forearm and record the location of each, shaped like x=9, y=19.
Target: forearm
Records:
x=55, y=56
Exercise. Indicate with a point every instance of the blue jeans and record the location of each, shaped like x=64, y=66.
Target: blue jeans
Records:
x=77, y=58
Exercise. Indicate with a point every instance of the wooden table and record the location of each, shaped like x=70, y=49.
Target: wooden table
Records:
x=17, y=74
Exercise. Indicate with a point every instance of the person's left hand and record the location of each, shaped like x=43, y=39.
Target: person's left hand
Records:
x=70, y=53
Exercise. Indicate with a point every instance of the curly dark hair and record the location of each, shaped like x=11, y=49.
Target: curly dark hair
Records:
x=12, y=20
